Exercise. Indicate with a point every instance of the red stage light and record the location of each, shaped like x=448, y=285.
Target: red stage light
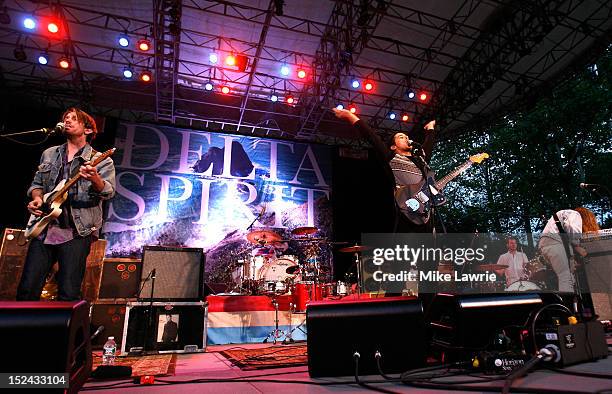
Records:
x=290, y=100
x=144, y=44
x=64, y=63
x=53, y=27
x=225, y=90
x=405, y=118
x=301, y=74
x=422, y=96
x=368, y=85
x=230, y=60
x=146, y=76
x=352, y=108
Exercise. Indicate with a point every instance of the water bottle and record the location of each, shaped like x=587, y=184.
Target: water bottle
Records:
x=110, y=349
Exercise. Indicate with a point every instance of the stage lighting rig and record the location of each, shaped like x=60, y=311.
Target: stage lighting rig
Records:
x=278, y=7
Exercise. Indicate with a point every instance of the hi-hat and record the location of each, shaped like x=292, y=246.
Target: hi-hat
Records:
x=491, y=267
x=355, y=249
x=304, y=230
x=262, y=237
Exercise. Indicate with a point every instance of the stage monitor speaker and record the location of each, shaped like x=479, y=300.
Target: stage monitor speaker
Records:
x=462, y=325
x=393, y=326
x=111, y=316
x=13, y=253
x=179, y=273
x=47, y=337
x=120, y=278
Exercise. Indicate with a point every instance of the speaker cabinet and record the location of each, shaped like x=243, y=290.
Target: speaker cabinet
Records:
x=111, y=316
x=13, y=252
x=179, y=273
x=47, y=337
x=393, y=326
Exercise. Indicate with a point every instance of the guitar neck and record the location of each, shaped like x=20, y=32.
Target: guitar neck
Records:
x=453, y=174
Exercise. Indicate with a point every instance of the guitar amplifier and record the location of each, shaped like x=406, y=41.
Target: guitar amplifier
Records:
x=120, y=279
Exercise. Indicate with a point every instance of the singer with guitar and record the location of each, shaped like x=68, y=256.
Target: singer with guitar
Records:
x=416, y=191
x=67, y=192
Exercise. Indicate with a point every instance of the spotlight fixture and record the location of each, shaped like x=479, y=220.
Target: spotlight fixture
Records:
x=225, y=89
x=230, y=60
x=405, y=118
x=355, y=83
x=368, y=85
x=392, y=115
x=410, y=93
x=352, y=108
x=209, y=86
x=53, y=27
x=301, y=73
x=290, y=99
x=339, y=106
x=64, y=62
x=285, y=70
x=423, y=96
x=123, y=40
x=43, y=58
x=274, y=97
x=144, y=44
x=128, y=73
x=29, y=23
x=213, y=58
x=146, y=76
x=19, y=53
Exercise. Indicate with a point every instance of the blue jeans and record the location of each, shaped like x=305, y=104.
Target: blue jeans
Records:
x=72, y=259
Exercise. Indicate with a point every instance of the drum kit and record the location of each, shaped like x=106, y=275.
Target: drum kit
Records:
x=537, y=276
x=267, y=270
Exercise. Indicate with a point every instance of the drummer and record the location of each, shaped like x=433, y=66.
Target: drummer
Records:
x=515, y=261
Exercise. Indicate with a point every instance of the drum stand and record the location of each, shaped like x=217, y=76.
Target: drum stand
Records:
x=289, y=335
x=276, y=333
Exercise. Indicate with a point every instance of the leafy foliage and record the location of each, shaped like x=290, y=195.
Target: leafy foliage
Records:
x=539, y=156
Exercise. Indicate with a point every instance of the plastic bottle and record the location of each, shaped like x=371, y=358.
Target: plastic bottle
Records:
x=110, y=350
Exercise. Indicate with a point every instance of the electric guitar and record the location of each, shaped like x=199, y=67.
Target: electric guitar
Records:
x=53, y=200
x=416, y=200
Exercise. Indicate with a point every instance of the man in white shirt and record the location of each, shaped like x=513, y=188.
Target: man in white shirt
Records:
x=515, y=261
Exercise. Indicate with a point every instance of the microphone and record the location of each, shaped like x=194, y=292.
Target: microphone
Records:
x=153, y=273
x=588, y=185
x=95, y=334
x=59, y=128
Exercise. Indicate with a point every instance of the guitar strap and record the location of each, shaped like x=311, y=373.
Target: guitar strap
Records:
x=561, y=232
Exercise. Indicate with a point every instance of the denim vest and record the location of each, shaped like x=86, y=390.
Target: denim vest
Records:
x=86, y=203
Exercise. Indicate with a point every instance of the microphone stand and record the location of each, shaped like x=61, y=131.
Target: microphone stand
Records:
x=150, y=311
x=44, y=131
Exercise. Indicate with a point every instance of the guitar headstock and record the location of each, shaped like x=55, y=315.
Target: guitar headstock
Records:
x=479, y=157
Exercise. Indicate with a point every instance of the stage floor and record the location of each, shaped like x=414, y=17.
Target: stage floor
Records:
x=230, y=379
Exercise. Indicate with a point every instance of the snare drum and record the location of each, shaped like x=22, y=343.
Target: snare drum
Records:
x=522, y=285
x=304, y=292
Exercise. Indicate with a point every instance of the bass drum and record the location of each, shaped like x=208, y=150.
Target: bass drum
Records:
x=276, y=270
x=522, y=285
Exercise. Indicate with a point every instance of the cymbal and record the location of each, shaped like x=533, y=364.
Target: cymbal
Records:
x=262, y=237
x=304, y=230
x=491, y=267
x=354, y=249
x=310, y=239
